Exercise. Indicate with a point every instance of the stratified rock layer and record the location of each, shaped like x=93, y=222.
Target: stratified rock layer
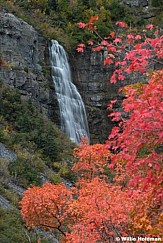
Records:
x=26, y=63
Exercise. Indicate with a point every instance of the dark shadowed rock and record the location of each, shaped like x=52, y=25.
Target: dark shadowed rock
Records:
x=27, y=63
x=92, y=79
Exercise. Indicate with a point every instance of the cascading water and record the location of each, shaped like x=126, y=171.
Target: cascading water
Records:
x=72, y=111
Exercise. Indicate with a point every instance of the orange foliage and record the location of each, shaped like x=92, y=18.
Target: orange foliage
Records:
x=100, y=212
x=45, y=206
x=92, y=159
x=96, y=210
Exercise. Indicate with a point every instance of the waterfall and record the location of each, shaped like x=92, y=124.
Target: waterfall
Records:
x=72, y=111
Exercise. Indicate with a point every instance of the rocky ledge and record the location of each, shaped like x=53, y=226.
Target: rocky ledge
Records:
x=25, y=54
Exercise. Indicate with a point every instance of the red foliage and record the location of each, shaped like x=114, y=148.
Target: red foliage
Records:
x=121, y=24
x=80, y=48
x=92, y=159
x=45, y=206
x=96, y=210
x=141, y=137
x=99, y=212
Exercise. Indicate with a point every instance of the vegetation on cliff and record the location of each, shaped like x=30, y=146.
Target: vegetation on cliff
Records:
x=56, y=19
x=37, y=141
x=43, y=153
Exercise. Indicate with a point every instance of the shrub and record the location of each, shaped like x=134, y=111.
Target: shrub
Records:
x=156, y=3
x=30, y=127
x=37, y=141
x=4, y=171
x=24, y=173
x=9, y=194
x=10, y=227
x=13, y=231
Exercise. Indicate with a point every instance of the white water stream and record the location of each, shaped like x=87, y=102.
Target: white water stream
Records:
x=72, y=111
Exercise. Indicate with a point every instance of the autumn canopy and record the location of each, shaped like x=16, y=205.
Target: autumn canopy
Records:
x=119, y=190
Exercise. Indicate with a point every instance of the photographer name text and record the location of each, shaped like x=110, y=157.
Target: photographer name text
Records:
x=139, y=239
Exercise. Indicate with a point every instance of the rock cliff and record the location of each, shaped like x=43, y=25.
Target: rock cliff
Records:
x=27, y=66
x=92, y=79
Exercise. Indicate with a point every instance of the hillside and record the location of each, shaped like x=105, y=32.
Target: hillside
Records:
x=58, y=19
x=32, y=151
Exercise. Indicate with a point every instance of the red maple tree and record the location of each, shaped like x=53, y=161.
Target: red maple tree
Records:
x=97, y=210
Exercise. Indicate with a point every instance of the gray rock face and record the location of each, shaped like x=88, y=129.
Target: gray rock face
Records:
x=15, y=188
x=22, y=33
x=92, y=79
x=136, y=3
x=142, y=7
x=6, y=153
x=27, y=69
x=26, y=54
x=4, y=203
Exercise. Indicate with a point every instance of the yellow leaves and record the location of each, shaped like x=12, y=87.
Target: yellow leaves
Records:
x=6, y=130
x=45, y=26
x=143, y=223
x=138, y=87
x=40, y=2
